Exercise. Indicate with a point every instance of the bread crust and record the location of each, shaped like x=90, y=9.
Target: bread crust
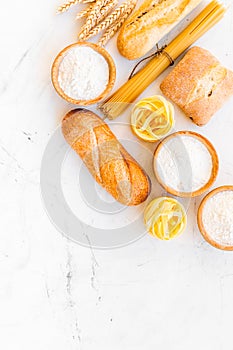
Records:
x=150, y=23
x=106, y=159
x=199, y=85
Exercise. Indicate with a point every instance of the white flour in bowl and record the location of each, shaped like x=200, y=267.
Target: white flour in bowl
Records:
x=217, y=217
x=184, y=164
x=83, y=73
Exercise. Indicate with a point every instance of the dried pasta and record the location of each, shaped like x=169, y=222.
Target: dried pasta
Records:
x=152, y=118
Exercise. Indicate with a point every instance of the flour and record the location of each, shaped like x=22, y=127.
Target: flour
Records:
x=83, y=73
x=184, y=164
x=217, y=217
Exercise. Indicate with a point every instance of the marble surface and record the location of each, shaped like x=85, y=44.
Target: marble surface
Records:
x=56, y=294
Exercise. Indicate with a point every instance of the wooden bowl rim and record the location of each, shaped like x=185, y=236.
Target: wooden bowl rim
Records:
x=112, y=73
x=215, y=162
x=201, y=227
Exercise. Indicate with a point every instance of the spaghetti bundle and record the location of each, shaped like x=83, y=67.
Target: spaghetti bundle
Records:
x=126, y=94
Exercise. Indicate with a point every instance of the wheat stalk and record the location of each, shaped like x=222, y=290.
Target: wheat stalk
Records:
x=85, y=12
x=65, y=7
x=96, y=15
x=113, y=17
x=111, y=31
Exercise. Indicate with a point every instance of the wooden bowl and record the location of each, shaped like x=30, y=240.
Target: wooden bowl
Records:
x=204, y=233
x=100, y=50
x=215, y=163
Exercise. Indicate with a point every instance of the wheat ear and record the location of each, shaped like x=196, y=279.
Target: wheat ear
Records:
x=111, y=31
x=65, y=7
x=95, y=16
x=112, y=18
x=94, y=13
x=85, y=12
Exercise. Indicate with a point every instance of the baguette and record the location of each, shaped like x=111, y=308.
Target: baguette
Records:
x=199, y=85
x=106, y=159
x=150, y=23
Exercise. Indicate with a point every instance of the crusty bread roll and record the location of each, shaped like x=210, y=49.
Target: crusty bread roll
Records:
x=150, y=23
x=199, y=85
x=106, y=159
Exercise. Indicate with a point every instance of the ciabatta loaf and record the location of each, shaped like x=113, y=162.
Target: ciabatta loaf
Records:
x=150, y=23
x=199, y=84
x=106, y=159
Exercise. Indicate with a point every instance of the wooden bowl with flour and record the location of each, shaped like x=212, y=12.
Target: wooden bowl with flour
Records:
x=215, y=218
x=83, y=73
x=185, y=164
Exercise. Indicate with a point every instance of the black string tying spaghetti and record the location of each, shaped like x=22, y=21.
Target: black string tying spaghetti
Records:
x=159, y=51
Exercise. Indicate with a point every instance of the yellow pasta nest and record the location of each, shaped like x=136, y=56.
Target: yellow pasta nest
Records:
x=165, y=218
x=152, y=118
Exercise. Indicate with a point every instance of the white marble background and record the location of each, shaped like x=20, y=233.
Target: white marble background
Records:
x=55, y=294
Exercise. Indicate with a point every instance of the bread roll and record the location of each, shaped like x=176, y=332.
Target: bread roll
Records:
x=199, y=85
x=106, y=159
x=150, y=23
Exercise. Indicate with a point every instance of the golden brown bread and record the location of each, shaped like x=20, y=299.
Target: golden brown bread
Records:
x=150, y=23
x=199, y=85
x=106, y=159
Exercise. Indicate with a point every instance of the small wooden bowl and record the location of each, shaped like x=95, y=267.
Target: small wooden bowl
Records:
x=204, y=233
x=101, y=51
x=215, y=163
